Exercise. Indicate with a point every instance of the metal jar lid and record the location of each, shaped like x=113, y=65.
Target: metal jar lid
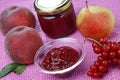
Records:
x=51, y=7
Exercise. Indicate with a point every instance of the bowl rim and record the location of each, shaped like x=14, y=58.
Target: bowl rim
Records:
x=64, y=70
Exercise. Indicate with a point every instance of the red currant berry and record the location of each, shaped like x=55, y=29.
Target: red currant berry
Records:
x=118, y=53
x=105, y=54
x=102, y=40
x=115, y=61
x=106, y=48
x=90, y=73
x=113, y=46
x=94, y=45
x=100, y=58
x=97, y=50
x=97, y=63
x=118, y=46
x=96, y=75
x=93, y=68
x=112, y=54
x=103, y=69
x=105, y=63
x=109, y=62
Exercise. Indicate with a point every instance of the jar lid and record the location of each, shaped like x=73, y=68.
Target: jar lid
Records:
x=46, y=7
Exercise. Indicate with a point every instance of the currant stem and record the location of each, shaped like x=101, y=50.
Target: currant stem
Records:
x=94, y=41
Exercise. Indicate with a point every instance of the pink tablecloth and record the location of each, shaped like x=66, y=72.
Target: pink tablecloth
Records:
x=32, y=73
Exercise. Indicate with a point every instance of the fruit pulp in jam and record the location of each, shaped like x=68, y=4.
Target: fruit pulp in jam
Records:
x=60, y=58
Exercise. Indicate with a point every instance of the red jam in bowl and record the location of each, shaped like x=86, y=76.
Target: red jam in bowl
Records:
x=60, y=58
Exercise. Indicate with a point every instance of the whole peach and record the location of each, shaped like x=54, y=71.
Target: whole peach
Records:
x=16, y=16
x=21, y=44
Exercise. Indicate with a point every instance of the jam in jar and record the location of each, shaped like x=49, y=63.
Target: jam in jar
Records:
x=56, y=17
x=60, y=58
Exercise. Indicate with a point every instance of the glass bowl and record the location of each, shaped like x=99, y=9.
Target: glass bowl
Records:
x=70, y=42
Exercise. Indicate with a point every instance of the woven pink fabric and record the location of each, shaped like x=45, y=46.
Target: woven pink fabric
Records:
x=32, y=73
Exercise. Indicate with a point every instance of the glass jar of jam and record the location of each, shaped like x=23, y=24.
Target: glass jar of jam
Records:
x=56, y=17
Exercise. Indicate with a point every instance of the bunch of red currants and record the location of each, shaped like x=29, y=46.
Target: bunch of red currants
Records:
x=109, y=54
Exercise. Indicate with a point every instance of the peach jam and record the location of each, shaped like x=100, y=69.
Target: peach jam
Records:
x=56, y=17
x=60, y=58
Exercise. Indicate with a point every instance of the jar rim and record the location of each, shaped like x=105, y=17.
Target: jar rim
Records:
x=50, y=10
